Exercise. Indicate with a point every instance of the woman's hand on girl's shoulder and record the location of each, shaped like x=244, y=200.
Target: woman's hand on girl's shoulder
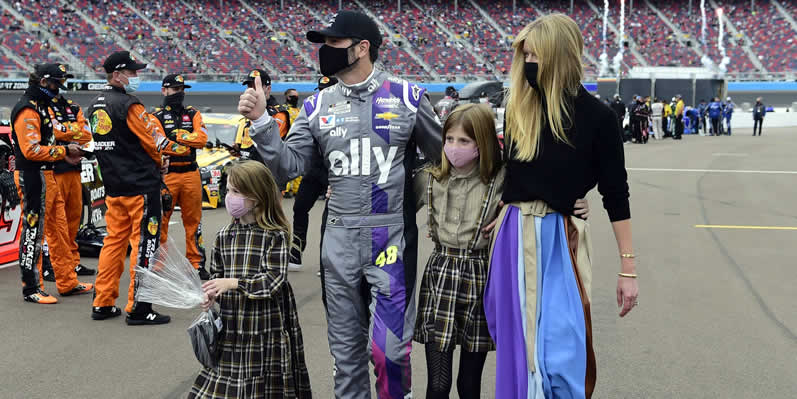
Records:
x=581, y=208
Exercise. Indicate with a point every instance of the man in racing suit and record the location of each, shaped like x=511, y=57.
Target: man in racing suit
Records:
x=367, y=128
x=128, y=145
x=727, y=113
x=243, y=143
x=67, y=176
x=36, y=152
x=183, y=125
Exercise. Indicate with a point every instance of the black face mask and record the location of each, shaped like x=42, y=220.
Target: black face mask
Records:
x=334, y=59
x=174, y=100
x=530, y=69
x=49, y=92
x=293, y=101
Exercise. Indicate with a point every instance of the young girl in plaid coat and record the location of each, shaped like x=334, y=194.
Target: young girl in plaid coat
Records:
x=462, y=196
x=261, y=351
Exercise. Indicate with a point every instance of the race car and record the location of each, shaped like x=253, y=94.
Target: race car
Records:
x=215, y=157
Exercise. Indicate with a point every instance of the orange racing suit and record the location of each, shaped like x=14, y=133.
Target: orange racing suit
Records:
x=36, y=152
x=128, y=145
x=184, y=127
x=67, y=176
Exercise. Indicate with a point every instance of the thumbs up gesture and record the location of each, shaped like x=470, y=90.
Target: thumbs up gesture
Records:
x=252, y=104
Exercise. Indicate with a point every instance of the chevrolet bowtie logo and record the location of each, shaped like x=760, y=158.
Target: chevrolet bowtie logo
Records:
x=386, y=116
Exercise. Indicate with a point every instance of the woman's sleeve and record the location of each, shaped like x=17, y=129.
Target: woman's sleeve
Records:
x=273, y=268
x=216, y=265
x=612, y=176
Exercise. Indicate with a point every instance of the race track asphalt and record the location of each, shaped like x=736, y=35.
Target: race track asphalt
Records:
x=717, y=316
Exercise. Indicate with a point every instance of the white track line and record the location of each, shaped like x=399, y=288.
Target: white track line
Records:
x=9, y=264
x=761, y=172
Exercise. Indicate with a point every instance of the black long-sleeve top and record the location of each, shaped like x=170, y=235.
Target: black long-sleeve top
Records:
x=562, y=173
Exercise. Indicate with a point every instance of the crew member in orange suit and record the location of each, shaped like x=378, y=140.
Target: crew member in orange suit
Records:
x=128, y=146
x=183, y=125
x=36, y=153
x=77, y=131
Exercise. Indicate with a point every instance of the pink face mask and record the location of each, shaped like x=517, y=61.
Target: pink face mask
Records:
x=460, y=157
x=236, y=205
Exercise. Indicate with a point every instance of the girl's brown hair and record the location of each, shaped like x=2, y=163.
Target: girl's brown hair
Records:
x=478, y=122
x=254, y=181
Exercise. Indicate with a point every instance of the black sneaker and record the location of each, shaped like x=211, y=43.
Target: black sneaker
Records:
x=203, y=274
x=84, y=271
x=48, y=274
x=295, y=259
x=47, y=268
x=40, y=297
x=80, y=288
x=144, y=319
x=105, y=312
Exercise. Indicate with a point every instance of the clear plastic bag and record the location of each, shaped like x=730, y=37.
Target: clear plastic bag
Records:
x=205, y=334
x=170, y=280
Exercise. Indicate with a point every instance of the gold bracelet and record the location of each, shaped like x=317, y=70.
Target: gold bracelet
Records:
x=630, y=256
x=627, y=275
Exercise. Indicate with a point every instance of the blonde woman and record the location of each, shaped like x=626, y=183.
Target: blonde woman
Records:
x=561, y=142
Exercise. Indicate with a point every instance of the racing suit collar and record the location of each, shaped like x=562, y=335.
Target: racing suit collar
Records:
x=366, y=87
x=114, y=88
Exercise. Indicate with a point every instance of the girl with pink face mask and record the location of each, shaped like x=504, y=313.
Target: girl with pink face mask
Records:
x=462, y=196
x=249, y=269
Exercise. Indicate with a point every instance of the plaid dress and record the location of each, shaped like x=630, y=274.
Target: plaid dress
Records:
x=262, y=354
x=451, y=309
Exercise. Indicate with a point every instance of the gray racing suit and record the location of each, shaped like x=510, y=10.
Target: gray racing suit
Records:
x=368, y=135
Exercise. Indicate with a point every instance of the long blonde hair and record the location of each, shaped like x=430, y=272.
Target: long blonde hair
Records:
x=254, y=181
x=478, y=122
x=557, y=42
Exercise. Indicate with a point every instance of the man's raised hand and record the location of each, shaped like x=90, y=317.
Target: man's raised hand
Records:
x=252, y=103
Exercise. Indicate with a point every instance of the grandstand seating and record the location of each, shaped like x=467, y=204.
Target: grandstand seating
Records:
x=470, y=36
x=443, y=53
x=233, y=17
x=162, y=51
x=25, y=44
x=292, y=26
x=772, y=35
x=196, y=33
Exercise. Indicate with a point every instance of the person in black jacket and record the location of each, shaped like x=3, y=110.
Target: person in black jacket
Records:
x=619, y=110
x=759, y=112
x=560, y=143
x=640, y=114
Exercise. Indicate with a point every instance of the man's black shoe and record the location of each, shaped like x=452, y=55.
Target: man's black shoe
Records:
x=105, y=312
x=47, y=268
x=146, y=319
x=203, y=274
x=84, y=271
x=48, y=274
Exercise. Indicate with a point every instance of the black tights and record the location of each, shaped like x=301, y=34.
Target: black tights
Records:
x=439, y=367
